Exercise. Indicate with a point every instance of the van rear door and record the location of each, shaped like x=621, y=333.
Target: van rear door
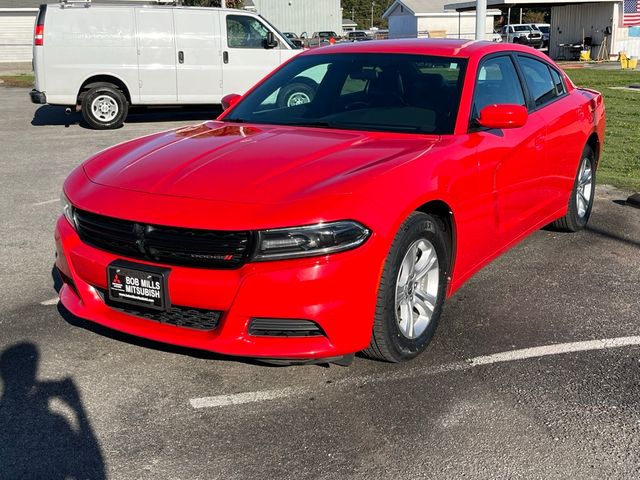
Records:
x=246, y=58
x=199, y=56
x=156, y=56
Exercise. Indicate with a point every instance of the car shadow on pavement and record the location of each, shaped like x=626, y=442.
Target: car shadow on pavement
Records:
x=44, y=429
x=55, y=115
x=612, y=236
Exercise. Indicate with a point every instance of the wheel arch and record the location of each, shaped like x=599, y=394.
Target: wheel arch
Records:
x=102, y=79
x=594, y=142
x=443, y=212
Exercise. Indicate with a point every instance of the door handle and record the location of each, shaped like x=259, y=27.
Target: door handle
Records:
x=539, y=142
x=180, y=56
x=225, y=57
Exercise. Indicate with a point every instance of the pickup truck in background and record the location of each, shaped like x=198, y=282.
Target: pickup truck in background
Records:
x=521, y=33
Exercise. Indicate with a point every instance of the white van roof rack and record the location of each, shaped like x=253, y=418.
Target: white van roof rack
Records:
x=86, y=3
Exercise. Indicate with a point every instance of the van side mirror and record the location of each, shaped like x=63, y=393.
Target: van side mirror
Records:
x=230, y=100
x=503, y=116
x=270, y=41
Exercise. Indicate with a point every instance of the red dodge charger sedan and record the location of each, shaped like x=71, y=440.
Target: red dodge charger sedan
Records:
x=340, y=219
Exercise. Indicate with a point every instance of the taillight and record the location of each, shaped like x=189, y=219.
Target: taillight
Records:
x=38, y=37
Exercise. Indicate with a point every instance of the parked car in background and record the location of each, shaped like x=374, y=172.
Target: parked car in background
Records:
x=357, y=36
x=523, y=34
x=315, y=230
x=495, y=37
x=321, y=39
x=102, y=58
x=295, y=39
x=545, y=28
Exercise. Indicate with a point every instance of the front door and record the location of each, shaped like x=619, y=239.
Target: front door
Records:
x=513, y=157
x=246, y=58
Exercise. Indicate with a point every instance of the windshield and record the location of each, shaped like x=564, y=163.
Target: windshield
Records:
x=544, y=29
x=370, y=91
x=292, y=45
x=522, y=28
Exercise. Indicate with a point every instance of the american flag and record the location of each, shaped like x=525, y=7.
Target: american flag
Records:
x=631, y=14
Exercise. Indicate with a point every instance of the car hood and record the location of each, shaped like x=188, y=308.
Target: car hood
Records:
x=251, y=163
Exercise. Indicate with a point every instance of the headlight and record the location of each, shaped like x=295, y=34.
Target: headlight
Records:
x=67, y=209
x=310, y=241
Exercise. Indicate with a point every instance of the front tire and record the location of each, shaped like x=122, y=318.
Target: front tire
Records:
x=296, y=93
x=412, y=290
x=104, y=107
x=582, y=194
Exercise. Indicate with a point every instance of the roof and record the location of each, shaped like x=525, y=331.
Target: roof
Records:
x=21, y=3
x=347, y=22
x=418, y=7
x=471, y=5
x=420, y=46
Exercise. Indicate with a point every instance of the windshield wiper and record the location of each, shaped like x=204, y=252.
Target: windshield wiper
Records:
x=234, y=120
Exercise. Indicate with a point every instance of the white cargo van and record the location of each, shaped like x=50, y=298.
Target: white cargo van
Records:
x=101, y=58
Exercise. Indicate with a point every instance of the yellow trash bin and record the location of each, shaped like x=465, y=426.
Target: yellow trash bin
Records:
x=632, y=63
x=585, y=55
x=624, y=60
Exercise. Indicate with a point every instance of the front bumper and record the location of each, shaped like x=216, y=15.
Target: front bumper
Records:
x=338, y=292
x=37, y=97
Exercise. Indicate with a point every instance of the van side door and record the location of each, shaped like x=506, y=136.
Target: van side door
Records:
x=156, y=56
x=246, y=56
x=199, y=56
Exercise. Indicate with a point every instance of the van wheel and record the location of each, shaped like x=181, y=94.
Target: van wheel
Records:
x=296, y=93
x=412, y=290
x=104, y=107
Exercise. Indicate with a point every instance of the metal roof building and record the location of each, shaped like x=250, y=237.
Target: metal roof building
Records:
x=17, y=19
x=300, y=16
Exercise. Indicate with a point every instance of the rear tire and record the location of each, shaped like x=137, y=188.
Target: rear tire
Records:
x=104, y=107
x=412, y=290
x=582, y=194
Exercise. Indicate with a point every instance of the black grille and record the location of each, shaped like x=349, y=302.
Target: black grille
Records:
x=276, y=327
x=188, y=317
x=167, y=245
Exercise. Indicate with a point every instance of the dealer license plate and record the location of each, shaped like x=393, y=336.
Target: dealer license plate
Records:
x=140, y=285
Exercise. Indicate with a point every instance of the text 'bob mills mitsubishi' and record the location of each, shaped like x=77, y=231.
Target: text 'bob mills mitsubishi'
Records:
x=100, y=59
x=320, y=228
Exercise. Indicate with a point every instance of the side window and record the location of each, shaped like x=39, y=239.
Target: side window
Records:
x=497, y=83
x=245, y=32
x=557, y=81
x=538, y=79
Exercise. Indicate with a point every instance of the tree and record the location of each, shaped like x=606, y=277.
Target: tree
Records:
x=360, y=12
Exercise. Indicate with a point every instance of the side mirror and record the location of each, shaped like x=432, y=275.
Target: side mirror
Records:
x=503, y=116
x=230, y=100
x=270, y=41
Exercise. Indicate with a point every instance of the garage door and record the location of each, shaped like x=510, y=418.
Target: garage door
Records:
x=16, y=36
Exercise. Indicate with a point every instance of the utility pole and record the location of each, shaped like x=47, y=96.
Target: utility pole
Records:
x=481, y=19
x=372, y=5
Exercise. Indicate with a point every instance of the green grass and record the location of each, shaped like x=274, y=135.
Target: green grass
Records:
x=620, y=161
x=17, y=80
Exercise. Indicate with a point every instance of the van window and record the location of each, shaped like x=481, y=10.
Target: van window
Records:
x=244, y=31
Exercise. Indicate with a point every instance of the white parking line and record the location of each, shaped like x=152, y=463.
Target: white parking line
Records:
x=51, y=301
x=46, y=202
x=510, y=356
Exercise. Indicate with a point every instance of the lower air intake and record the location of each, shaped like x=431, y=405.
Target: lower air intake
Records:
x=276, y=327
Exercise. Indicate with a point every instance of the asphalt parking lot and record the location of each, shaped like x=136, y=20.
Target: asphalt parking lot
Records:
x=533, y=373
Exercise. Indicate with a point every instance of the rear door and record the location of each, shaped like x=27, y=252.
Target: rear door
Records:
x=199, y=55
x=156, y=56
x=245, y=56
